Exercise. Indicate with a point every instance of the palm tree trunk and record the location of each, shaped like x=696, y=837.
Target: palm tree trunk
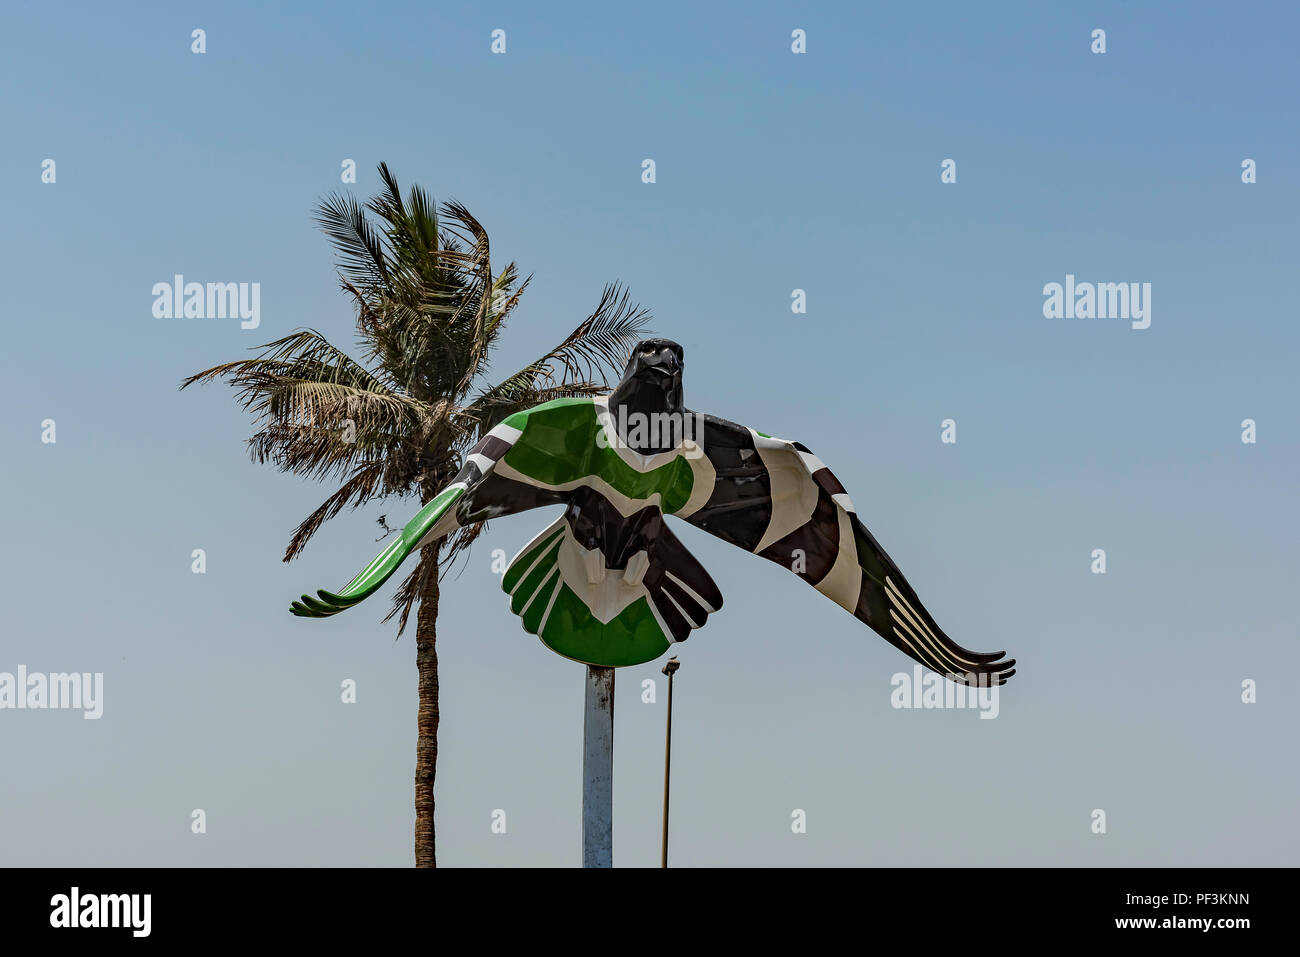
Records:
x=426, y=745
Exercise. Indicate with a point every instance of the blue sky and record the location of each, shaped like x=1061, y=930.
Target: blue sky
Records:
x=775, y=171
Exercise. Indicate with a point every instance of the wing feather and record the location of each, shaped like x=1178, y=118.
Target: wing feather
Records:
x=777, y=499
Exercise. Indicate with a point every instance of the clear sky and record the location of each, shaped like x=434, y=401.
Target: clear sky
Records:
x=775, y=171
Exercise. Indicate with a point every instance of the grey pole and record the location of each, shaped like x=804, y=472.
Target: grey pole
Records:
x=672, y=666
x=598, y=769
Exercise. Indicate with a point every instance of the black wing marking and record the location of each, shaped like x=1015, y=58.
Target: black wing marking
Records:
x=778, y=500
x=683, y=593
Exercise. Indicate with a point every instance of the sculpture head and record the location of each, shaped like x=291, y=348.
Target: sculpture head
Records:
x=652, y=379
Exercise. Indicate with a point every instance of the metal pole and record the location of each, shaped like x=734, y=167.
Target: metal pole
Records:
x=598, y=769
x=672, y=666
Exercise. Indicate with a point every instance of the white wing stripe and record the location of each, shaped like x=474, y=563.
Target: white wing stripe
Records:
x=555, y=593
x=895, y=596
x=540, y=588
x=689, y=620
x=690, y=591
x=540, y=555
x=659, y=619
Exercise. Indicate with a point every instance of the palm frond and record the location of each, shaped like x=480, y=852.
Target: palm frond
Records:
x=429, y=311
x=318, y=411
x=412, y=587
x=596, y=349
x=361, y=254
x=357, y=490
x=521, y=392
x=603, y=342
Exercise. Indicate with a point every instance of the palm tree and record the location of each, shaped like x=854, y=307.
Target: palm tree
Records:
x=399, y=421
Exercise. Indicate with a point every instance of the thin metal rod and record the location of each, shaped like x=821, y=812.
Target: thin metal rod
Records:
x=669, y=669
x=598, y=769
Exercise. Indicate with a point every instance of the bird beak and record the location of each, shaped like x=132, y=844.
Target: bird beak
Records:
x=666, y=364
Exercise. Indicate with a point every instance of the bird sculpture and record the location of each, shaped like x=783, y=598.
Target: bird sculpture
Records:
x=608, y=583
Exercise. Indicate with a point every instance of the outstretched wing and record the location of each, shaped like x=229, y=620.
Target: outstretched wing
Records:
x=477, y=493
x=776, y=499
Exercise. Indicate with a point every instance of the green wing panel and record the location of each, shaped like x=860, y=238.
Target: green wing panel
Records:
x=383, y=565
x=564, y=609
x=560, y=446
